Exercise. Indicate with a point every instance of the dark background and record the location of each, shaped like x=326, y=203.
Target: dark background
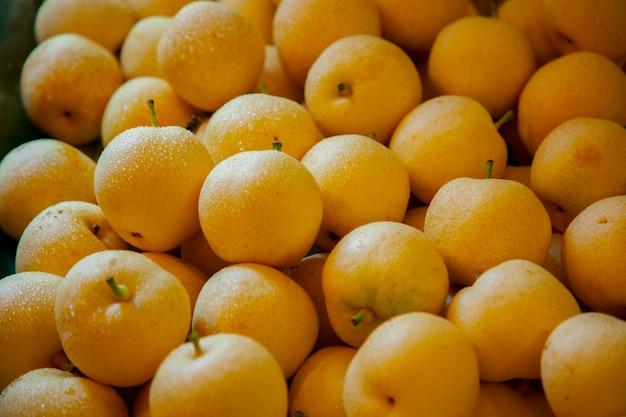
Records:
x=16, y=42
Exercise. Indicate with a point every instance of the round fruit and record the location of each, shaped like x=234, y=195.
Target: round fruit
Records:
x=260, y=206
x=207, y=41
x=28, y=333
x=63, y=234
x=377, y=271
x=507, y=314
x=263, y=303
x=219, y=375
x=147, y=182
x=352, y=73
x=592, y=255
x=360, y=180
x=414, y=361
x=119, y=314
x=38, y=174
x=65, y=84
x=583, y=366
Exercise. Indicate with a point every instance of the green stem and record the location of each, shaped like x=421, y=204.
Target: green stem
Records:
x=507, y=117
x=119, y=290
x=194, y=338
x=153, y=118
x=494, y=8
x=363, y=315
x=489, y=169
x=277, y=145
x=263, y=87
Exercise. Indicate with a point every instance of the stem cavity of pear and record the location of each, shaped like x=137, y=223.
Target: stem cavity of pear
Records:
x=194, y=338
x=153, y=118
x=120, y=291
x=344, y=89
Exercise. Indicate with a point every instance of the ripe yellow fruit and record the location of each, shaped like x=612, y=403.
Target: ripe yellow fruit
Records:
x=554, y=261
x=210, y=53
x=255, y=121
x=377, y=271
x=302, y=29
x=28, y=333
x=222, y=375
x=308, y=274
x=485, y=58
x=106, y=22
x=263, y=303
x=127, y=107
x=141, y=402
x=65, y=84
x=592, y=255
x=415, y=217
x=260, y=206
x=58, y=393
x=146, y=8
x=479, y=223
x=38, y=174
x=444, y=138
x=317, y=387
x=62, y=234
x=119, y=314
x=413, y=25
x=579, y=162
x=414, y=361
x=147, y=181
x=501, y=399
x=360, y=180
x=507, y=315
x=583, y=366
x=573, y=85
x=138, y=52
x=191, y=277
x=529, y=16
x=197, y=251
x=587, y=25
x=260, y=12
x=350, y=75
x=274, y=80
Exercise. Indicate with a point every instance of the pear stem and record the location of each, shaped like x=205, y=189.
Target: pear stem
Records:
x=194, y=338
x=363, y=315
x=489, y=169
x=119, y=290
x=507, y=117
x=494, y=8
x=153, y=118
x=263, y=87
x=277, y=145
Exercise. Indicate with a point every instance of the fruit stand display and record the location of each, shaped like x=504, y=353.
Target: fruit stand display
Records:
x=313, y=208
